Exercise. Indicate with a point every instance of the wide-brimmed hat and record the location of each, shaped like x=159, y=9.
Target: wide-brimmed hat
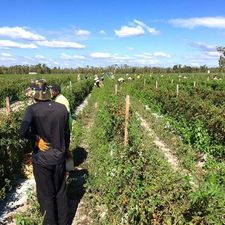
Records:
x=41, y=90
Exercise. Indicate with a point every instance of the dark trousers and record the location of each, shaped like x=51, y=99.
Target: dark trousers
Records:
x=51, y=193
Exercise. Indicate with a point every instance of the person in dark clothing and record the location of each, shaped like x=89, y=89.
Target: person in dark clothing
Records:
x=46, y=124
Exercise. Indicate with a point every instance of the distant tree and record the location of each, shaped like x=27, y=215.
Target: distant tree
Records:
x=222, y=57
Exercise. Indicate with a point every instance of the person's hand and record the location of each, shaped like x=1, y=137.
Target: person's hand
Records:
x=68, y=154
x=41, y=144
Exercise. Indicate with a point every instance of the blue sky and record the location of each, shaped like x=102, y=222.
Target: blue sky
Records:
x=74, y=33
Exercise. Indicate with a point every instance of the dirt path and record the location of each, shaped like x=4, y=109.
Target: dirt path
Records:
x=168, y=153
x=82, y=211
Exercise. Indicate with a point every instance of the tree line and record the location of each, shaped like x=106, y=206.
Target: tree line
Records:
x=115, y=68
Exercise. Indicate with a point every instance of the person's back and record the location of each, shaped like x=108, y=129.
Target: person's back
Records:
x=50, y=123
x=63, y=100
x=46, y=124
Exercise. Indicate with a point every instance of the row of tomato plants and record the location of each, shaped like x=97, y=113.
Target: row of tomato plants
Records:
x=199, y=122
x=198, y=86
x=134, y=184
x=13, y=86
x=13, y=148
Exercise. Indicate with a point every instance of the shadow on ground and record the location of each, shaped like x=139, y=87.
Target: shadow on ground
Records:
x=76, y=181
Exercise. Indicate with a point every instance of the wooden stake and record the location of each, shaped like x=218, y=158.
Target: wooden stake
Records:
x=177, y=90
x=126, y=120
x=8, y=108
x=156, y=84
x=116, y=89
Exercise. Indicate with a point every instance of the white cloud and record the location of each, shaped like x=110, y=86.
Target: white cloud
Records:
x=102, y=32
x=151, y=30
x=101, y=55
x=60, y=44
x=82, y=32
x=145, y=56
x=7, y=59
x=110, y=58
x=161, y=54
x=12, y=44
x=71, y=57
x=126, y=31
x=154, y=54
x=20, y=33
x=213, y=54
x=194, y=64
x=5, y=54
x=203, y=46
x=130, y=48
x=137, y=28
x=211, y=22
x=146, y=62
x=39, y=57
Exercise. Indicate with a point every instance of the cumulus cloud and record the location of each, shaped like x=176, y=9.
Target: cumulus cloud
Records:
x=208, y=51
x=126, y=31
x=203, y=46
x=5, y=54
x=71, y=57
x=151, y=30
x=61, y=44
x=161, y=54
x=39, y=57
x=211, y=22
x=154, y=55
x=137, y=28
x=12, y=44
x=130, y=48
x=102, y=32
x=7, y=59
x=213, y=54
x=100, y=55
x=20, y=33
x=195, y=64
x=82, y=32
x=108, y=58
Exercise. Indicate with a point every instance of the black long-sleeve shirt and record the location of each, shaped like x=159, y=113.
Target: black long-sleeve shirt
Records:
x=50, y=121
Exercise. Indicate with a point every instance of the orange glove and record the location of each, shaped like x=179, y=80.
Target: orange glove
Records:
x=42, y=145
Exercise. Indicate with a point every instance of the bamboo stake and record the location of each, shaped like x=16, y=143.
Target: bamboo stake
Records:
x=156, y=84
x=177, y=90
x=116, y=89
x=194, y=84
x=126, y=120
x=144, y=82
x=8, y=108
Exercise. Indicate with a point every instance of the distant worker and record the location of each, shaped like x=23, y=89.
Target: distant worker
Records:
x=58, y=97
x=46, y=124
x=98, y=81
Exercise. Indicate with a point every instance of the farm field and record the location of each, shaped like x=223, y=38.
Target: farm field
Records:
x=171, y=170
